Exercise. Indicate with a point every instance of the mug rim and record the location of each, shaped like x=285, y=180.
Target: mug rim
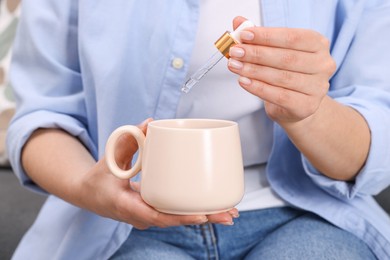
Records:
x=163, y=123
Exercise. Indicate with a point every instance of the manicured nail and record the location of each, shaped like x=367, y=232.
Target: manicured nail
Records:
x=235, y=215
x=146, y=121
x=235, y=64
x=202, y=220
x=228, y=223
x=236, y=52
x=244, y=80
x=247, y=35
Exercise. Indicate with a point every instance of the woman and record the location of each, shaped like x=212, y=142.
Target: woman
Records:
x=312, y=102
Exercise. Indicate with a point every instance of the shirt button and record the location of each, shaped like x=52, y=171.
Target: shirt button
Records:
x=177, y=63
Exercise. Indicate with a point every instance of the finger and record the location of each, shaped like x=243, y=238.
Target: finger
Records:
x=144, y=125
x=131, y=208
x=283, y=104
x=234, y=213
x=289, y=101
x=286, y=38
x=237, y=21
x=135, y=186
x=283, y=59
x=224, y=218
x=304, y=83
x=167, y=220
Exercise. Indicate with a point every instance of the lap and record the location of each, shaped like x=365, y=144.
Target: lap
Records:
x=143, y=247
x=278, y=233
x=310, y=237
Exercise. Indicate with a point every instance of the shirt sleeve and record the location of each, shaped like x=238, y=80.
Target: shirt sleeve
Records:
x=362, y=82
x=46, y=78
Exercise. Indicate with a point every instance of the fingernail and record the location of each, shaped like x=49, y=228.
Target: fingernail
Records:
x=247, y=35
x=228, y=223
x=236, y=52
x=244, y=80
x=146, y=121
x=235, y=215
x=202, y=220
x=235, y=64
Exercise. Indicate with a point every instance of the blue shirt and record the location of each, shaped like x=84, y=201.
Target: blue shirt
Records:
x=90, y=66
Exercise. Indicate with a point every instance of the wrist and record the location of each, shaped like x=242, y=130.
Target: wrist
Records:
x=311, y=123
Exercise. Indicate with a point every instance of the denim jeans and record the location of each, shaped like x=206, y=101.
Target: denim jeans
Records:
x=275, y=233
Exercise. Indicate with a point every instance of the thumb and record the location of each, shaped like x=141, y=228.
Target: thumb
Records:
x=127, y=146
x=144, y=125
x=135, y=186
x=237, y=21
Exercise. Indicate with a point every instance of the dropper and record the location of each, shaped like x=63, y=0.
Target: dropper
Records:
x=223, y=45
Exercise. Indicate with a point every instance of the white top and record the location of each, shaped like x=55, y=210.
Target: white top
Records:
x=219, y=96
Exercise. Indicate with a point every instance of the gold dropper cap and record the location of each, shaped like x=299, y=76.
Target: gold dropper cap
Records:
x=224, y=43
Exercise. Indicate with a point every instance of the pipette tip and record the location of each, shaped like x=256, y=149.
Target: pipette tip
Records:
x=188, y=85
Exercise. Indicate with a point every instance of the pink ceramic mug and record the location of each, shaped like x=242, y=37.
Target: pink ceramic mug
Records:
x=189, y=166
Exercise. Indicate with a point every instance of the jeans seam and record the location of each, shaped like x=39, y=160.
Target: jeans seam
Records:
x=214, y=240
x=210, y=239
x=204, y=235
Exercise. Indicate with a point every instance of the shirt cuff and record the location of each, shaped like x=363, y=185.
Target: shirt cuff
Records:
x=373, y=177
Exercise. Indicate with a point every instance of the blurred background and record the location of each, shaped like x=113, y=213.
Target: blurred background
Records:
x=18, y=206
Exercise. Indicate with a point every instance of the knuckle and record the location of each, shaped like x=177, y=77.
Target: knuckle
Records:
x=266, y=37
x=258, y=88
x=250, y=70
x=326, y=64
x=325, y=89
x=331, y=67
x=155, y=217
x=257, y=53
x=311, y=106
x=324, y=41
x=292, y=38
x=286, y=77
x=283, y=97
x=320, y=41
x=328, y=67
x=274, y=112
x=288, y=58
x=157, y=220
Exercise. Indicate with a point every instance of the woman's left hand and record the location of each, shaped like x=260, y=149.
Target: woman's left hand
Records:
x=288, y=68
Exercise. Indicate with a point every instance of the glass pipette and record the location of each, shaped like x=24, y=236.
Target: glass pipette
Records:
x=199, y=74
x=223, y=45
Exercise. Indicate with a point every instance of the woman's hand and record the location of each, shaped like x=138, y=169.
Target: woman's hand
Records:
x=288, y=68
x=119, y=199
x=72, y=174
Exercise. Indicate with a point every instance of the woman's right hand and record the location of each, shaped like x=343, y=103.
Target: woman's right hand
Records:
x=109, y=196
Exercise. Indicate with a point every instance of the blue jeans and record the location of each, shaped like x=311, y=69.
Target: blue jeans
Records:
x=275, y=233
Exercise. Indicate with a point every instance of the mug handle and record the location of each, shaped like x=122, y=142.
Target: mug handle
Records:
x=110, y=151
